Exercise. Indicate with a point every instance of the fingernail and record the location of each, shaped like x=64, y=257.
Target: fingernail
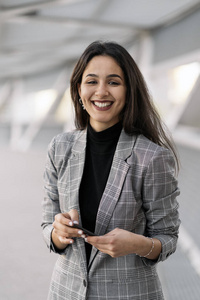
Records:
x=86, y=240
x=70, y=223
x=75, y=222
x=71, y=242
x=83, y=236
x=80, y=232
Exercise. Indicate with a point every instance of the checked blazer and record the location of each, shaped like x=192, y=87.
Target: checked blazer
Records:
x=140, y=196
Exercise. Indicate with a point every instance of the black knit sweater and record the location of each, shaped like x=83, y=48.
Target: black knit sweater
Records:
x=99, y=155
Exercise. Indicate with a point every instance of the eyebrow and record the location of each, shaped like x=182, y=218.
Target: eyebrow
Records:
x=109, y=76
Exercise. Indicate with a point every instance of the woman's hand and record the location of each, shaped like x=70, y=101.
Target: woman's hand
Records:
x=119, y=242
x=63, y=232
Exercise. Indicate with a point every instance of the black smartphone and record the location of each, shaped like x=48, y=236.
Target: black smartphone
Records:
x=84, y=230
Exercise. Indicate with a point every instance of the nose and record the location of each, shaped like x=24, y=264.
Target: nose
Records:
x=101, y=90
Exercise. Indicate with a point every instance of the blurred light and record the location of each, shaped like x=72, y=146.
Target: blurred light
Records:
x=43, y=101
x=182, y=81
x=63, y=110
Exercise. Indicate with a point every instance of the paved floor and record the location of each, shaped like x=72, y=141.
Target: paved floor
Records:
x=26, y=264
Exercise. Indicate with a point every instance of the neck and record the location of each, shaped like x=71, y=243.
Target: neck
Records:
x=101, y=126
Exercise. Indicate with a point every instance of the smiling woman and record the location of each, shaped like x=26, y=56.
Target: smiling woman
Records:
x=103, y=92
x=115, y=176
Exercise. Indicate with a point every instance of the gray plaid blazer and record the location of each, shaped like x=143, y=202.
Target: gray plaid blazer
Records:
x=140, y=196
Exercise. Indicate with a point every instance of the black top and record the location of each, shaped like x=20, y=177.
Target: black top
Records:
x=99, y=155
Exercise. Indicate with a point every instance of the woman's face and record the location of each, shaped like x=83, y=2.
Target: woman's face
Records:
x=103, y=91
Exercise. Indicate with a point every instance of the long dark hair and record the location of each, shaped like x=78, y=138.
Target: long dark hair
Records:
x=139, y=115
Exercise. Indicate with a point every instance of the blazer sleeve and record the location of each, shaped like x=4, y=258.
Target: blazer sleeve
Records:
x=160, y=190
x=50, y=203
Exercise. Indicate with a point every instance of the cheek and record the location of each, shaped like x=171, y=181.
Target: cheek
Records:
x=121, y=95
x=85, y=93
x=122, y=99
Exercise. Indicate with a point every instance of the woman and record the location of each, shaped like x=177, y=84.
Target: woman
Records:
x=115, y=177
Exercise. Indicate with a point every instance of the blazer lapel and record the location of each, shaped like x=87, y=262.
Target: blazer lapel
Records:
x=75, y=171
x=114, y=185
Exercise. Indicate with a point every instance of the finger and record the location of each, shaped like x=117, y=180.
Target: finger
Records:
x=65, y=241
x=71, y=217
x=103, y=239
x=103, y=244
x=62, y=218
x=74, y=216
x=67, y=231
x=96, y=240
x=63, y=224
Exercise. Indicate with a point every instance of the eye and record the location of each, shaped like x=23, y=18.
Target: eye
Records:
x=113, y=83
x=92, y=82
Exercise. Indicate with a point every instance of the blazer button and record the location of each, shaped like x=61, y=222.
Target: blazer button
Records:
x=84, y=283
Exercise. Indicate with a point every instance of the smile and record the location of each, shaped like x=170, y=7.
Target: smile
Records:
x=102, y=104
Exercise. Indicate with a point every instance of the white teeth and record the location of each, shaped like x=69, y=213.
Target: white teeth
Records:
x=102, y=104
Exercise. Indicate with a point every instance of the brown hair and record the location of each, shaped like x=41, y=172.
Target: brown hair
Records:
x=139, y=114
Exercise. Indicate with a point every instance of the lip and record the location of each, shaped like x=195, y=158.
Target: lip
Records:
x=102, y=108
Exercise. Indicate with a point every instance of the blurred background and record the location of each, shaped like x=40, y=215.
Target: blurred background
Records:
x=40, y=41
